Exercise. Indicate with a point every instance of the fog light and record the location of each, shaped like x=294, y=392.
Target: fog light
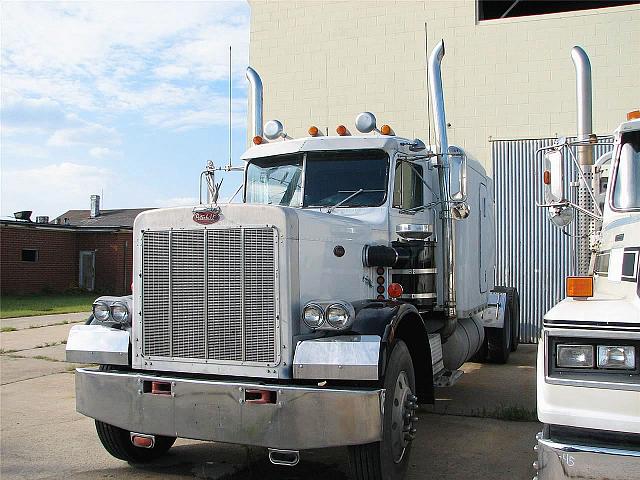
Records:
x=574, y=356
x=622, y=357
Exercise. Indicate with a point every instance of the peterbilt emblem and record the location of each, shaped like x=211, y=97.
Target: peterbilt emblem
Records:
x=207, y=217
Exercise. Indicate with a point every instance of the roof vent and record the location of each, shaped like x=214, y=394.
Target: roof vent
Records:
x=95, y=206
x=23, y=215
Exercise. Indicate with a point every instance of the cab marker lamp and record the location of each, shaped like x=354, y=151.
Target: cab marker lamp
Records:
x=341, y=130
x=385, y=130
x=257, y=140
x=633, y=115
x=580, y=287
x=574, y=356
x=621, y=357
x=313, y=131
x=101, y=311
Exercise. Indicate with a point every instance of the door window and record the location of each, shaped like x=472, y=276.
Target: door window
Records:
x=408, y=190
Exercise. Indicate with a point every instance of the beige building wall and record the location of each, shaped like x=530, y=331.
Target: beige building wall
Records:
x=324, y=62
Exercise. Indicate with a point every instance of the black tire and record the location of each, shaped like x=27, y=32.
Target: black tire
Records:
x=375, y=461
x=513, y=302
x=117, y=442
x=499, y=340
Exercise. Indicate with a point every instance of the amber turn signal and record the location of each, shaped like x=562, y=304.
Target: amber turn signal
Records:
x=581, y=287
x=395, y=290
x=385, y=130
x=547, y=177
x=341, y=130
x=257, y=140
x=313, y=130
x=633, y=115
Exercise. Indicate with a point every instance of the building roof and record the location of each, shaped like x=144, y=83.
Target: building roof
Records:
x=122, y=218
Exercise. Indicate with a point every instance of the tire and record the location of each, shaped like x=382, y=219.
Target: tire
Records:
x=389, y=459
x=513, y=302
x=117, y=442
x=499, y=341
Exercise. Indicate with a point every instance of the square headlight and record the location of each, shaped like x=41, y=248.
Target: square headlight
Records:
x=574, y=356
x=621, y=357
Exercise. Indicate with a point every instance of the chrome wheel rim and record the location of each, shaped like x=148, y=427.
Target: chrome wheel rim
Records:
x=403, y=419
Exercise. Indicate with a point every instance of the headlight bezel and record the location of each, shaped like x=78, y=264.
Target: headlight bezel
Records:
x=554, y=370
x=313, y=305
x=324, y=307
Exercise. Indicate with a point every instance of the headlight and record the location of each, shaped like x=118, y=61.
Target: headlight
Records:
x=119, y=312
x=337, y=316
x=574, y=356
x=312, y=315
x=101, y=311
x=622, y=357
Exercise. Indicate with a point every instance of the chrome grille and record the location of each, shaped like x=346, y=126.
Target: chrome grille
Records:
x=210, y=294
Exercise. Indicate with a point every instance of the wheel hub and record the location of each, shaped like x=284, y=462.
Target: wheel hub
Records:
x=403, y=419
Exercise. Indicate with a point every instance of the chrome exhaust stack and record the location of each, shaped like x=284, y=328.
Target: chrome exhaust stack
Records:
x=584, y=224
x=444, y=171
x=287, y=458
x=255, y=83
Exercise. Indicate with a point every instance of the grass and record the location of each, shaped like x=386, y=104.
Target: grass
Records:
x=45, y=304
x=8, y=329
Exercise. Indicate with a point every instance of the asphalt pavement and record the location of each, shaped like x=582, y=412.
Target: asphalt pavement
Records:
x=469, y=434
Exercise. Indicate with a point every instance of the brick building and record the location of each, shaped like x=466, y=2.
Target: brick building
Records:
x=77, y=249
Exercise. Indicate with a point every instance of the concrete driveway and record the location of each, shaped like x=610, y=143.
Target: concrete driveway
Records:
x=43, y=437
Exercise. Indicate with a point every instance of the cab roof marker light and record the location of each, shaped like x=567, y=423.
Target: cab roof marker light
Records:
x=342, y=130
x=633, y=115
x=386, y=130
x=258, y=140
x=313, y=131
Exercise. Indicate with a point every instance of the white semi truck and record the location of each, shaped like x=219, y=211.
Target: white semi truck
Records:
x=355, y=276
x=588, y=370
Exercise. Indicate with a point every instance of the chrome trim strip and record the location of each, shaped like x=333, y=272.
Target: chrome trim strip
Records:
x=413, y=271
x=632, y=387
x=418, y=295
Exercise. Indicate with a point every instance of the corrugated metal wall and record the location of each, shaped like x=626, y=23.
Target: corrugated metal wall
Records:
x=532, y=254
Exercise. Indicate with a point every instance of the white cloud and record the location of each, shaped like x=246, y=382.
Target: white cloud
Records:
x=86, y=134
x=100, y=152
x=52, y=189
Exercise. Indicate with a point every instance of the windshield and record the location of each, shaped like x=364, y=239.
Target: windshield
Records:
x=355, y=178
x=626, y=189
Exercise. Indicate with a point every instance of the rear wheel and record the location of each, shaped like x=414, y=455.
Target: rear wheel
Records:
x=389, y=459
x=117, y=442
x=499, y=340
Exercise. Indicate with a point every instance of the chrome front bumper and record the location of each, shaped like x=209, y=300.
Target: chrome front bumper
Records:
x=295, y=418
x=558, y=461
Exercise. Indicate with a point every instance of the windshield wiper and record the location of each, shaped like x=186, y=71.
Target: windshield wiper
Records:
x=341, y=202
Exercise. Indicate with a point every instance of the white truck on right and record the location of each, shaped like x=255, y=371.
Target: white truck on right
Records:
x=588, y=366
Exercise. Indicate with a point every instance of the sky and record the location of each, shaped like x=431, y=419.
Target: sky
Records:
x=127, y=100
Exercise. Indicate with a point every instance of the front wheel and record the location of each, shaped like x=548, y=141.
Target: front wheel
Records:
x=389, y=459
x=117, y=442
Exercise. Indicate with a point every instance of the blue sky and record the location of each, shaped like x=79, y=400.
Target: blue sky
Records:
x=124, y=99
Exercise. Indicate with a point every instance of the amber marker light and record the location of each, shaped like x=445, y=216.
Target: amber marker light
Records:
x=395, y=290
x=257, y=140
x=635, y=114
x=385, y=130
x=547, y=177
x=313, y=131
x=341, y=130
x=580, y=287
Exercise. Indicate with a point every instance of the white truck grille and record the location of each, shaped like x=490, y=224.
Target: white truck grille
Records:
x=210, y=295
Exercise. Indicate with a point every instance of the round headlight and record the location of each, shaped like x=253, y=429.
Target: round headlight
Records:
x=337, y=316
x=312, y=315
x=101, y=311
x=119, y=312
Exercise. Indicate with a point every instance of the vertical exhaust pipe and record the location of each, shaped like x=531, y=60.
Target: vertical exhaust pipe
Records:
x=442, y=144
x=584, y=225
x=583, y=103
x=255, y=83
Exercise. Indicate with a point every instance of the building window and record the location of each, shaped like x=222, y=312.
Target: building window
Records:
x=407, y=188
x=492, y=9
x=29, y=255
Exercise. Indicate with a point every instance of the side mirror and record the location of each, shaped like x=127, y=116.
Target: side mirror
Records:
x=457, y=174
x=553, y=177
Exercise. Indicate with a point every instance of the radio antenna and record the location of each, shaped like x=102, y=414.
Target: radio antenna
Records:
x=230, y=110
